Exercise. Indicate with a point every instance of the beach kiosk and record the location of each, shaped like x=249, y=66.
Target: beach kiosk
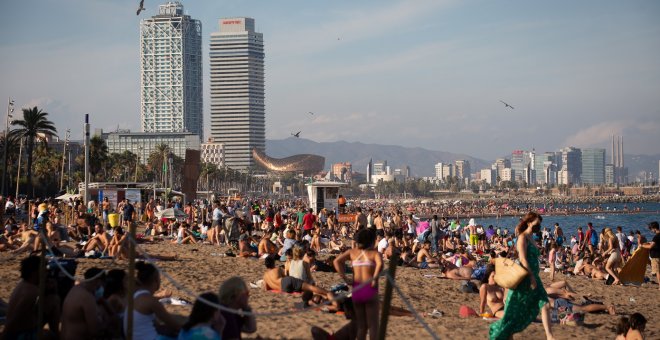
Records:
x=324, y=195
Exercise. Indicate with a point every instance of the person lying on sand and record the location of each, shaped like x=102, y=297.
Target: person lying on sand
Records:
x=449, y=271
x=274, y=279
x=28, y=237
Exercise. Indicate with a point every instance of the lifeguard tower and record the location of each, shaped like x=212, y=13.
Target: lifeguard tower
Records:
x=324, y=195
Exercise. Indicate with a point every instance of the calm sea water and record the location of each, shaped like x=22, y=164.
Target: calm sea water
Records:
x=629, y=222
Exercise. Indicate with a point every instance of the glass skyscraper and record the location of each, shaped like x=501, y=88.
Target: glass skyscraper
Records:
x=237, y=91
x=171, y=77
x=593, y=166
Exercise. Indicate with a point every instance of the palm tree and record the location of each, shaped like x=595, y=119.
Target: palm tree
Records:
x=34, y=124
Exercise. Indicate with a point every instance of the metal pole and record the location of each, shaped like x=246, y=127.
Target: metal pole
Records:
x=387, y=300
x=18, y=175
x=86, y=130
x=68, y=176
x=10, y=109
x=41, y=307
x=66, y=141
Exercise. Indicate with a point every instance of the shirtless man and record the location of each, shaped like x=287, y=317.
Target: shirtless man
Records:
x=22, y=312
x=424, y=258
x=266, y=246
x=360, y=220
x=380, y=225
x=28, y=237
x=274, y=279
x=450, y=271
x=79, y=312
x=99, y=242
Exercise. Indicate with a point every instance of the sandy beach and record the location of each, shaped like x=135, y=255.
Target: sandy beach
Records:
x=200, y=271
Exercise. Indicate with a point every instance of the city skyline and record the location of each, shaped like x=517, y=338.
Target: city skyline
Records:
x=575, y=73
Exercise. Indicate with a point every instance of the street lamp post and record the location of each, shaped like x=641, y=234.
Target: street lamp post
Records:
x=137, y=162
x=66, y=142
x=10, y=109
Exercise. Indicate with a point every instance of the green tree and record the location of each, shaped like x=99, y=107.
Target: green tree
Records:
x=34, y=124
x=98, y=159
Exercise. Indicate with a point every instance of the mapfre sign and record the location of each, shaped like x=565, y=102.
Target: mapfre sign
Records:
x=232, y=22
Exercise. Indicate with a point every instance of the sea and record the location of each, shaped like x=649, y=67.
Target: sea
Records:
x=612, y=217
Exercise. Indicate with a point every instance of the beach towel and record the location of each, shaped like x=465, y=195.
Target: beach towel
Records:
x=422, y=226
x=633, y=271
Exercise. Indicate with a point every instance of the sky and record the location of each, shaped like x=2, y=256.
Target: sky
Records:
x=427, y=73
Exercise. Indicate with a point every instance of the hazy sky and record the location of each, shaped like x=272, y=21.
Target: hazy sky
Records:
x=412, y=73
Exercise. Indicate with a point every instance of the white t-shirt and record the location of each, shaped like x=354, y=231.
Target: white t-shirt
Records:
x=382, y=245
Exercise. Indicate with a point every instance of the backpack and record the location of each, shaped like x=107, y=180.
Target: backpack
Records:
x=594, y=238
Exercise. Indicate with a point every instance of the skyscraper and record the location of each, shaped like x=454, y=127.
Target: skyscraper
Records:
x=593, y=166
x=571, y=169
x=237, y=91
x=462, y=169
x=171, y=77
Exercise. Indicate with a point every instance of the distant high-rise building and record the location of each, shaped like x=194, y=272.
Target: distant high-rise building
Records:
x=343, y=171
x=438, y=170
x=508, y=174
x=488, y=176
x=609, y=174
x=543, y=171
x=171, y=72
x=447, y=171
x=518, y=158
x=571, y=168
x=380, y=168
x=593, y=166
x=462, y=169
x=213, y=152
x=237, y=91
x=501, y=164
x=370, y=170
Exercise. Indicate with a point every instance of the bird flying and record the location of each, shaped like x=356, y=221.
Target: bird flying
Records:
x=311, y=113
x=506, y=105
x=141, y=8
x=297, y=134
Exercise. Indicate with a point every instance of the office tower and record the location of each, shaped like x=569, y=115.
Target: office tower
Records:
x=571, y=168
x=343, y=171
x=488, y=176
x=593, y=166
x=380, y=168
x=370, y=170
x=462, y=169
x=501, y=164
x=171, y=72
x=609, y=174
x=518, y=163
x=237, y=91
x=447, y=171
x=438, y=170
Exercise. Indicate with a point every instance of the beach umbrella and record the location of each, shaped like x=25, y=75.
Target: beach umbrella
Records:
x=67, y=196
x=171, y=213
x=426, y=202
x=391, y=202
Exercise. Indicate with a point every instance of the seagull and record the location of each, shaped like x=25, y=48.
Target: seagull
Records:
x=311, y=113
x=297, y=134
x=141, y=8
x=506, y=105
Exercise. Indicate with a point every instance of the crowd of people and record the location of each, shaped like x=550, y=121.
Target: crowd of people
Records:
x=304, y=242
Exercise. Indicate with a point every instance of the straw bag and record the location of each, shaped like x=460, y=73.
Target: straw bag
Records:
x=508, y=273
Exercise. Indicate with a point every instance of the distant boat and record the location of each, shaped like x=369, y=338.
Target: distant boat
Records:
x=599, y=217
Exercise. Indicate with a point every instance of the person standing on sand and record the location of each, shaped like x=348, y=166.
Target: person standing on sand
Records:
x=654, y=247
x=523, y=303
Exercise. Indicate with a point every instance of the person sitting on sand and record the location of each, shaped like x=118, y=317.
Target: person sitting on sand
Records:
x=315, y=244
x=336, y=244
x=80, y=312
x=147, y=307
x=245, y=244
x=274, y=279
x=184, y=236
x=424, y=259
x=632, y=328
x=297, y=267
x=99, y=242
x=205, y=321
x=491, y=295
x=266, y=246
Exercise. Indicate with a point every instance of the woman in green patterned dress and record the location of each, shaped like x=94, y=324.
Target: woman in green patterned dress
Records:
x=523, y=303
